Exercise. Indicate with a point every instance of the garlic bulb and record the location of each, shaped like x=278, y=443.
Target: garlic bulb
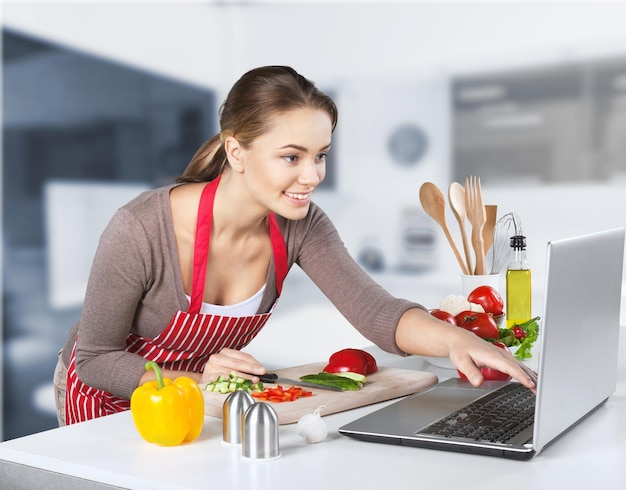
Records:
x=312, y=428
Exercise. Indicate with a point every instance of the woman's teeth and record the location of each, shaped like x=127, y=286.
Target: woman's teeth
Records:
x=297, y=196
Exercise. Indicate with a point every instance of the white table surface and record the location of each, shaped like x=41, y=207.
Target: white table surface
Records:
x=109, y=451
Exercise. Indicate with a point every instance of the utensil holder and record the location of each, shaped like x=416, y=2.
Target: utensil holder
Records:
x=260, y=433
x=469, y=283
x=233, y=409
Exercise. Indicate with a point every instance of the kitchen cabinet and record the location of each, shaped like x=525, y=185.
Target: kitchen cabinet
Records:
x=563, y=122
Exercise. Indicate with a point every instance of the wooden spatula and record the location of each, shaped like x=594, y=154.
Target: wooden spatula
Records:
x=492, y=216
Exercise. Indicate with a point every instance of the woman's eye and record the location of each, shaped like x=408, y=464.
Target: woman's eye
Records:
x=291, y=158
x=321, y=157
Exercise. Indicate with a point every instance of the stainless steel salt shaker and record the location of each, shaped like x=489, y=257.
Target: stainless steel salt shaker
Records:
x=233, y=409
x=260, y=432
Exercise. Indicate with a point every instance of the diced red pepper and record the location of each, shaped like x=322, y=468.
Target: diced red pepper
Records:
x=279, y=394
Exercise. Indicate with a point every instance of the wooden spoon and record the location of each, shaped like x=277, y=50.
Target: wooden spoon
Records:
x=488, y=229
x=434, y=204
x=456, y=196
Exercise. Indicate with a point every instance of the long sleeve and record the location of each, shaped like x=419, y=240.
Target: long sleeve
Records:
x=317, y=248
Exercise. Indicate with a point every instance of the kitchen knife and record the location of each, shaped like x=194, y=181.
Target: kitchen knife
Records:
x=274, y=378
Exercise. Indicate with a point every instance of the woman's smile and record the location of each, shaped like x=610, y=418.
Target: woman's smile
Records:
x=299, y=199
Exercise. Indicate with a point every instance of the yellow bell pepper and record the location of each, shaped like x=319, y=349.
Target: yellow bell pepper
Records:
x=168, y=412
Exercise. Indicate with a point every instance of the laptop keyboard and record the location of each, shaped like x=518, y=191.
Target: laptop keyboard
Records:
x=497, y=417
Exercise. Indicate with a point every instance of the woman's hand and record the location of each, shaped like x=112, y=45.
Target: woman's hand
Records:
x=420, y=333
x=229, y=360
x=469, y=353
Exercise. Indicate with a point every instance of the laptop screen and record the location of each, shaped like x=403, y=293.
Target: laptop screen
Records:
x=580, y=329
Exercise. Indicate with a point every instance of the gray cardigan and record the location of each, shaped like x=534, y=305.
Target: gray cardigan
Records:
x=136, y=285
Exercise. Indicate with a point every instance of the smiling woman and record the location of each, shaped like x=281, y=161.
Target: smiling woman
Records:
x=186, y=275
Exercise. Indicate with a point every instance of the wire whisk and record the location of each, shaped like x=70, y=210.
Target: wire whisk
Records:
x=507, y=226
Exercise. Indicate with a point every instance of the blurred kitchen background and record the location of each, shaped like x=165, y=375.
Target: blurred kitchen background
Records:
x=104, y=100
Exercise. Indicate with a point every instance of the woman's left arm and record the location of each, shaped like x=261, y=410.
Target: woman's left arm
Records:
x=394, y=324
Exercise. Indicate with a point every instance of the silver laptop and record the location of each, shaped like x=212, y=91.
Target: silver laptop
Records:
x=577, y=364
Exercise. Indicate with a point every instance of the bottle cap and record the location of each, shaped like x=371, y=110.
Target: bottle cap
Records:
x=518, y=242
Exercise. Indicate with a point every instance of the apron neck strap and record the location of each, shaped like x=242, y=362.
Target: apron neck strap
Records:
x=202, y=243
x=279, y=250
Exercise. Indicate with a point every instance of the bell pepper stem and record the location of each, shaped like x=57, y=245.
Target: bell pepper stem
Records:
x=157, y=371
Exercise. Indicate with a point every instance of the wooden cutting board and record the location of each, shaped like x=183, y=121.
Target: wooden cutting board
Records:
x=383, y=385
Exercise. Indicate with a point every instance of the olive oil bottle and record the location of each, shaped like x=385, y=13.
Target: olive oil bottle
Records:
x=518, y=285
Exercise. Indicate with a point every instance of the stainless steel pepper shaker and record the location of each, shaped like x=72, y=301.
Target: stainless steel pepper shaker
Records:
x=260, y=432
x=233, y=409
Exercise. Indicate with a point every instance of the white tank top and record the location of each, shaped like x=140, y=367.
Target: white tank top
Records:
x=247, y=307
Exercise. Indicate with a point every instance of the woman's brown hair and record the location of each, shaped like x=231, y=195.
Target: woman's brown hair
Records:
x=253, y=100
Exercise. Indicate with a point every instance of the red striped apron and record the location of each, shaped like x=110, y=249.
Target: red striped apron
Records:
x=191, y=337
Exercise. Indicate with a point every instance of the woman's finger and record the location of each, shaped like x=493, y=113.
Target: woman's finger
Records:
x=229, y=360
x=483, y=354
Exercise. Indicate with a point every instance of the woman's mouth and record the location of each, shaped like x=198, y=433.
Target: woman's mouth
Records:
x=299, y=198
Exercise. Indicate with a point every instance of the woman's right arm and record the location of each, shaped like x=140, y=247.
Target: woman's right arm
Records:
x=120, y=275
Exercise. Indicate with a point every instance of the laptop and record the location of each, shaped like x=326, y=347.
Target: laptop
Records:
x=577, y=363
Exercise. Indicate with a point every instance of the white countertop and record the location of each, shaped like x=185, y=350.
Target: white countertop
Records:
x=110, y=451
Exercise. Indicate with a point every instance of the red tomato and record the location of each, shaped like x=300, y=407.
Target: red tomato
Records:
x=443, y=315
x=353, y=361
x=491, y=374
x=495, y=375
x=482, y=324
x=488, y=298
x=519, y=332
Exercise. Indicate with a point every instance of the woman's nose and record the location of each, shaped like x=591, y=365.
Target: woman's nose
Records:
x=310, y=174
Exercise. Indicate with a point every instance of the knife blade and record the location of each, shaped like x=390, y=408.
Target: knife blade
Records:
x=274, y=378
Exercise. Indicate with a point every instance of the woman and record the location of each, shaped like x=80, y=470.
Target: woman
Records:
x=187, y=274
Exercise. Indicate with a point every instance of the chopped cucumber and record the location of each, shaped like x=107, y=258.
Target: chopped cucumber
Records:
x=232, y=383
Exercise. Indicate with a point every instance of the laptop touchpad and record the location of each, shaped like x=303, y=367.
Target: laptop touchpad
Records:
x=416, y=411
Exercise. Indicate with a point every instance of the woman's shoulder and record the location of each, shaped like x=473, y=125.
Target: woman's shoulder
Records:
x=149, y=197
x=149, y=204
x=147, y=210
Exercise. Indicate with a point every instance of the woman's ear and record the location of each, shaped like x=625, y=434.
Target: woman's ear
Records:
x=233, y=153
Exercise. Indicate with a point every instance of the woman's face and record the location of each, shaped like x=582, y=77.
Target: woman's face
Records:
x=285, y=165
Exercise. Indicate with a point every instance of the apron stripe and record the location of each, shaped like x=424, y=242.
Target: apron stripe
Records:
x=231, y=329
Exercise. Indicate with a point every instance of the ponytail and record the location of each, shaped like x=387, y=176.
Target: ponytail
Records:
x=207, y=163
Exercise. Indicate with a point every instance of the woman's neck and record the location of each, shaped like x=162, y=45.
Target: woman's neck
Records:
x=235, y=215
